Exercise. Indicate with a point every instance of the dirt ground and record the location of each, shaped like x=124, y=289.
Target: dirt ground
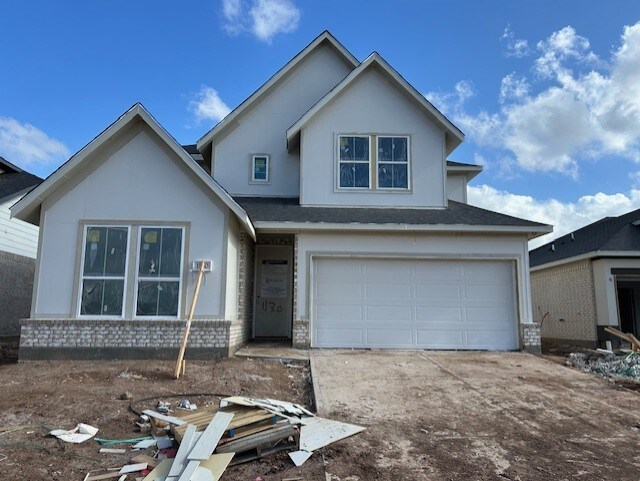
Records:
x=58, y=395
x=475, y=416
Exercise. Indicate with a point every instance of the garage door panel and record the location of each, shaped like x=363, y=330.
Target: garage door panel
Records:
x=386, y=269
x=389, y=337
x=346, y=337
x=438, y=290
x=390, y=314
x=489, y=315
x=438, y=270
x=439, y=314
x=396, y=291
x=438, y=304
x=339, y=313
x=338, y=290
x=440, y=338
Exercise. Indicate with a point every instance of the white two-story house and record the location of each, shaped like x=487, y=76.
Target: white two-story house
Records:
x=327, y=207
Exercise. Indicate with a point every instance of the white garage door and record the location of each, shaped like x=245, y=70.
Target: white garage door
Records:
x=392, y=303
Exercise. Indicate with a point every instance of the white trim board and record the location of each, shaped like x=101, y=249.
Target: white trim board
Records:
x=582, y=257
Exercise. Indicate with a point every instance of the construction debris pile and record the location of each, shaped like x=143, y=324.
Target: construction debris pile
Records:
x=239, y=430
x=608, y=365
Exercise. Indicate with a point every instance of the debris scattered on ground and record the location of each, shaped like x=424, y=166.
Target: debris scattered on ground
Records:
x=608, y=365
x=79, y=434
x=240, y=430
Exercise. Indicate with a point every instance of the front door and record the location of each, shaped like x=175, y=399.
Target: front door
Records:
x=273, y=291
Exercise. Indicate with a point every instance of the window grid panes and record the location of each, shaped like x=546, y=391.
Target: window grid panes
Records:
x=103, y=271
x=159, y=268
x=393, y=162
x=354, y=160
x=260, y=168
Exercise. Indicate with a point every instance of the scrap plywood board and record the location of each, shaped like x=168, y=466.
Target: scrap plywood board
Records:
x=210, y=437
x=162, y=417
x=160, y=471
x=299, y=457
x=317, y=432
x=217, y=463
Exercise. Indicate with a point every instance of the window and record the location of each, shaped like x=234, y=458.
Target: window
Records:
x=354, y=162
x=393, y=162
x=103, y=270
x=260, y=168
x=159, y=271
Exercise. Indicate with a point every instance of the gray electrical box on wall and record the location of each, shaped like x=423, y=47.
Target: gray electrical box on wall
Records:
x=208, y=265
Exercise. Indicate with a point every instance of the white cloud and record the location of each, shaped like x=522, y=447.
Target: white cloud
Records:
x=583, y=107
x=29, y=147
x=448, y=102
x=263, y=18
x=208, y=105
x=515, y=47
x=565, y=217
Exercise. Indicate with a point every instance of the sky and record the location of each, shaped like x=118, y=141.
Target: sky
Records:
x=546, y=92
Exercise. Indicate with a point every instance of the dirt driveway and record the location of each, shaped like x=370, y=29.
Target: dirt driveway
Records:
x=450, y=416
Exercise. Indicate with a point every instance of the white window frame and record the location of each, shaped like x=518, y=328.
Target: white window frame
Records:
x=378, y=162
x=82, y=277
x=159, y=279
x=340, y=162
x=253, y=169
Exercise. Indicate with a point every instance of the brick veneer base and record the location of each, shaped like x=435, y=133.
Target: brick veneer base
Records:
x=56, y=339
x=530, y=338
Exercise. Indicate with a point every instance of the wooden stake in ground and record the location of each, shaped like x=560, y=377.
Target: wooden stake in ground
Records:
x=181, y=365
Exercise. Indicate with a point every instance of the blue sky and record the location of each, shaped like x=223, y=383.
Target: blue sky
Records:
x=547, y=92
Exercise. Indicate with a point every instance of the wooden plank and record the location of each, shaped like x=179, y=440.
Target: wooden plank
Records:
x=257, y=440
x=249, y=432
x=187, y=443
x=210, y=437
x=180, y=364
x=133, y=468
x=162, y=417
x=145, y=458
x=319, y=432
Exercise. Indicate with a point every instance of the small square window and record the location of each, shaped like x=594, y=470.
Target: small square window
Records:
x=260, y=168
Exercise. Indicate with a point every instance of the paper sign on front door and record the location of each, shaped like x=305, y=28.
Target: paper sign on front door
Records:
x=273, y=291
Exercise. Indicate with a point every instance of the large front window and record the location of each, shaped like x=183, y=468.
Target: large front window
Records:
x=354, y=160
x=103, y=270
x=159, y=271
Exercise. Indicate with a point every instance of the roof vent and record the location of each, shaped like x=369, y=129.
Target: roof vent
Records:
x=573, y=237
x=553, y=248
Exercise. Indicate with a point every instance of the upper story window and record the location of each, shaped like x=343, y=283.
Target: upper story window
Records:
x=393, y=162
x=104, y=266
x=159, y=271
x=260, y=168
x=354, y=162
x=363, y=168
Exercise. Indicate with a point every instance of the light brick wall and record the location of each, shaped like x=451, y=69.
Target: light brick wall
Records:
x=16, y=287
x=122, y=336
x=567, y=293
x=241, y=329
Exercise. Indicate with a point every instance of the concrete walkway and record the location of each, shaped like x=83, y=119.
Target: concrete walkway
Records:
x=470, y=415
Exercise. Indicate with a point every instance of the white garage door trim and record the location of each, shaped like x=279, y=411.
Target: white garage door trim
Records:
x=369, y=301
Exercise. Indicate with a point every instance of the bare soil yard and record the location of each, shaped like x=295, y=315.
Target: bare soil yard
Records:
x=56, y=395
x=475, y=416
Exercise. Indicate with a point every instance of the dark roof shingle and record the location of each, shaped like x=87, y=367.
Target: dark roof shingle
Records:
x=14, y=180
x=608, y=234
x=274, y=209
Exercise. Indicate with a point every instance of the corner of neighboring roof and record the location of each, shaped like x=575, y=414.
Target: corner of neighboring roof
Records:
x=454, y=135
x=325, y=36
x=9, y=165
x=28, y=207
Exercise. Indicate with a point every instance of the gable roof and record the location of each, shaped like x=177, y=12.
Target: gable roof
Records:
x=28, y=207
x=454, y=134
x=470, y=169
x=287, y=213
x=608, y=235
x=14, y=180
x=324, y=38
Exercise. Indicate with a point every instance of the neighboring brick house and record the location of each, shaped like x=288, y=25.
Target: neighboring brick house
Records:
x=18, y=246
x=326, y=205
x=587, y=280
